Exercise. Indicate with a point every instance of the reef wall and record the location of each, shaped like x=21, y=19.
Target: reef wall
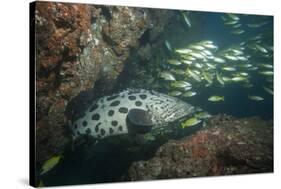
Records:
x=78, y=46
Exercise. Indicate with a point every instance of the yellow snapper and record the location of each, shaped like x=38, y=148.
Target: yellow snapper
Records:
x=216, y=98
x=193, y=75
x=268, y=90
x=202, y=115
x=210, y=46
x=237, y=31
x=183, y=51
x=230, y=69
x=189, y=94
x=186, y=19
x=238, y=79
x=208, y=77
x=197, y=47
x=218, y=60
x=230, y=57
x=256, y=25
x=174, y=62
x=231, y=22
x=187, y=62
x=190, y=122
x=168, y=45
x=226, y=79
x=180, y=84
x=261, y=49
x=219, y=78
x=256, y=98
x=269, y=66
x=236, y=25
x=50, y=164
x=197, y=55
x=267, y=73
x=211, y=66
x=167, y=76
x=233, y=16
x=175, y=93
x=178, y=71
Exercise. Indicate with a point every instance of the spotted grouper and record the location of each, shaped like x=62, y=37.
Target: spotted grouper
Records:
x=130, y=111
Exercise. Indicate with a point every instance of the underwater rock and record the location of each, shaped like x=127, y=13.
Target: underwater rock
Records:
x=225, y=146
x=76, y=46
x=59, y=28
x=46, y=148
x=145, y=52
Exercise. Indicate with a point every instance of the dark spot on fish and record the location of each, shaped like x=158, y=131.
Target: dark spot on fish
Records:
x=138, y=103
x=112, y=97
x=132, y=98
x=111, y=130
x=84, y=123
x=103, y=106
x=88, y=131
x=115, y=103
x=99, y=136
x=143, y=96
x=123, y=110
x=110, y=112
x=94, y=107
x=96, y=117
x=75, y=126
x=114, y=123
x=97, y=127
x=78, y=133
x=102, y=132
x=120, y=128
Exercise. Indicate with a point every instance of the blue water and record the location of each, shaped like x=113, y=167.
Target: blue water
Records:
x=210, y=26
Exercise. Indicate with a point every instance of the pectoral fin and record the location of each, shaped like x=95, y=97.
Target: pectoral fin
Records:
x=139, y=121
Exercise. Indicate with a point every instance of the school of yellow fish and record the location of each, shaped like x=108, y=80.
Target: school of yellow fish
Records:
x=204, y=64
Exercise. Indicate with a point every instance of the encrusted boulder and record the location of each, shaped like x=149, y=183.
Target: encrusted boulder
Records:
x=225, y=146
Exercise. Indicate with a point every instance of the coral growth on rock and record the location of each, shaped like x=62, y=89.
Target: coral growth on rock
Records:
x=225, y=146
x=76, y=46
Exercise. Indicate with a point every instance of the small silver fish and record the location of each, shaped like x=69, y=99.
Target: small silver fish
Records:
x=167, y=76
x=186, y=19
x=255, y=98
x=168, y=45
